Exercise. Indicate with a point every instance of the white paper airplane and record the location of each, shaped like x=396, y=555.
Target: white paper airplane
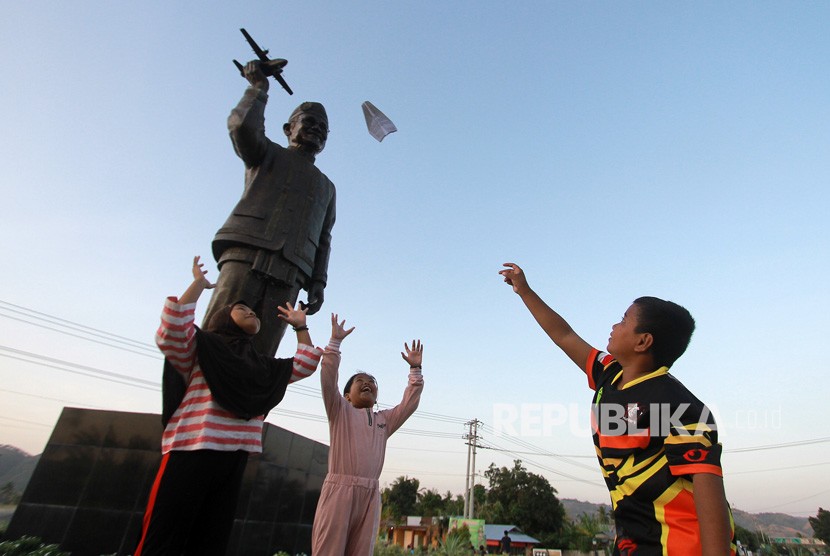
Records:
x=379, y=125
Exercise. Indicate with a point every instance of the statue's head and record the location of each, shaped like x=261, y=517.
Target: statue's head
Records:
x=307, y=128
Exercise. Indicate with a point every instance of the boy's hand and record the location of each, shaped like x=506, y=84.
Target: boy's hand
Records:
x=415, y=355
x=338, y=329
x=293, y=316
x=199, y=275
x=515, y=277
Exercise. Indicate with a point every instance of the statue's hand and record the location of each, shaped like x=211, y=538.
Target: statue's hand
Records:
x=254, y=75
x=315, y=297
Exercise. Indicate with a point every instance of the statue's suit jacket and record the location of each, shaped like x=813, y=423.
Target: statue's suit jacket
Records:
x=288, y=205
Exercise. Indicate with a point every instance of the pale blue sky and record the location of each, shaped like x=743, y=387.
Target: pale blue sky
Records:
x=613, y=150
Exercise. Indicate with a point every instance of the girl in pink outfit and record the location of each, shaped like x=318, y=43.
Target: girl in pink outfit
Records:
x=348, y=511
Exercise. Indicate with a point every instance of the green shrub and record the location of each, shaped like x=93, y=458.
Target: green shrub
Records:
x=383, y=549
x=456, y=544
x=30, y=546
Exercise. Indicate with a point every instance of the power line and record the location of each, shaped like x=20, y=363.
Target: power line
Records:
x=298, y=414
x=70, y=402
x=24, y=421
x=551, y=470
x=424, y=450
x=540, y=452
x=77, y=330
x=84, y=332
x=82, y=370
x=779, y=468
x=793, y=501
x=5, y=305
x=782, y=445
x=151, y=350
x=550, y=454
x=411, y=472
x=528, y=445
x=309, y=391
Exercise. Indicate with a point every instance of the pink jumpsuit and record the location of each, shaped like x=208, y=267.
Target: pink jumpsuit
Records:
x=348, y=511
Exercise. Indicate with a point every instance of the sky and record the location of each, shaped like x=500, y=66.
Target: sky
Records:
x=613, y=150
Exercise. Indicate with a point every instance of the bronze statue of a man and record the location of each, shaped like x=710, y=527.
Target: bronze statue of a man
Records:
x=278, y=238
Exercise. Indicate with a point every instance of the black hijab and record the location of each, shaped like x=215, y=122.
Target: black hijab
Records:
x=241, y=380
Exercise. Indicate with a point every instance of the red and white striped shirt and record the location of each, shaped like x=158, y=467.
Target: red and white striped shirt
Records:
x=200, y=423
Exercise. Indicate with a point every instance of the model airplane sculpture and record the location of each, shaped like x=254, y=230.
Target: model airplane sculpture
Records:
x=271, y=68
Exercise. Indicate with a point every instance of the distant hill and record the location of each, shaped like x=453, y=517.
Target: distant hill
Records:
x=772, y=524
x=575, y=508
x=16, y=467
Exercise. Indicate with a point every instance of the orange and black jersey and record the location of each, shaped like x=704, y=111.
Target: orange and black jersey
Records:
x=651, y=436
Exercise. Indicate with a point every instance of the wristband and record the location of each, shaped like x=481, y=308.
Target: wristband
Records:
x=414, y=366
x=300, y=328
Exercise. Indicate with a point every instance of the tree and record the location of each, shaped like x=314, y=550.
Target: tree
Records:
x=401, y=497
x=749, y=539
x=479, y=497
x=453, y=505
x=430, y=504
x=821, y=525
x=8, y=495
x=587, y=527
x=525, y=499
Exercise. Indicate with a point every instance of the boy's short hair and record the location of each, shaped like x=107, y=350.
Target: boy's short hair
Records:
x=351, y=380
x=669, y=324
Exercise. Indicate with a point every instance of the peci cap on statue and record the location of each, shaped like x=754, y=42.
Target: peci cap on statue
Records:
x=310, y=108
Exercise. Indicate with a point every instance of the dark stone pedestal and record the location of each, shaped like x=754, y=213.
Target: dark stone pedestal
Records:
x=90, y=487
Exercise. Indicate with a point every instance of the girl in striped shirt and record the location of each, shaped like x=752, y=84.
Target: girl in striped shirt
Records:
x=217, y=390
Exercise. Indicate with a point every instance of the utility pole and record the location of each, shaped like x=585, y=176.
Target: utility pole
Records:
x=472, y=443
x=473, y=483
x=467, y=483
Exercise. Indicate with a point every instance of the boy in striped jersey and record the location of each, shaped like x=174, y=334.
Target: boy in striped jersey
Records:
x=656, y=443
x=217, y=390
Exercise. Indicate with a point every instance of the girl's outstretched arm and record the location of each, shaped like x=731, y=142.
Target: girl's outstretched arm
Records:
x=176, y=336
x=329, y=368
x=412, y=394
x=200, y=283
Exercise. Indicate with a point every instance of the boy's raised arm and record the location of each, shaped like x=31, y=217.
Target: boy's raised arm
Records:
x=551, y=322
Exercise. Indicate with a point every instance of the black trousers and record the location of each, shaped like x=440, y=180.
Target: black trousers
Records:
x=192, y=504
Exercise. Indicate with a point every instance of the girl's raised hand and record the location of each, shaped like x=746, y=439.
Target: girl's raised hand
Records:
x=295, y=316
x=338, y=329
x=415, y=355
x=199, y=275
